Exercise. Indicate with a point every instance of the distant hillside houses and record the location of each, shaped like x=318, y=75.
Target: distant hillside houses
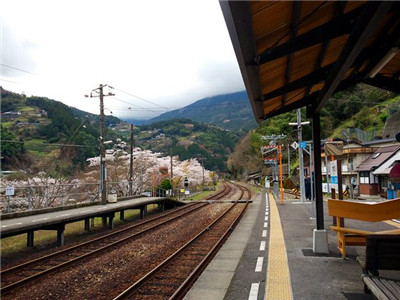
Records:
x=365, y=167
x=10, y=114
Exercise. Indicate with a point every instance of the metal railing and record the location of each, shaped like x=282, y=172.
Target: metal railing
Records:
x=43, y=196
x=35, y=197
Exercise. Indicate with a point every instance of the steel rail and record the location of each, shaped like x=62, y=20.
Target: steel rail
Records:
x=187, y=284
x=9, y=287
x=193, y=276
x=226, y=189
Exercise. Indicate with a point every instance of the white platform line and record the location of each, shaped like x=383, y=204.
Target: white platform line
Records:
x=266, y=218
x=264, y=233
x=266, y=225
x=259, y=264
x=4, y=226
x=254, y=291
x=42, y=219
x=262, y=246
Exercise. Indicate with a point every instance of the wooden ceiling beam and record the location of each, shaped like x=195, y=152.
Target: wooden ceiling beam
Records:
x=310, y=79
x=389, y=38
x=384, y=82
x=319, y=75
x=340, y=25
x=292, y=106
x=365, y=26
x=340, y=5
x=293, y=32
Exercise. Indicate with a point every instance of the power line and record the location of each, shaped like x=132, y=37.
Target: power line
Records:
x=132, y=104
x=46, y=144
x=18, y=69
x=11, y=81
x=140, y=98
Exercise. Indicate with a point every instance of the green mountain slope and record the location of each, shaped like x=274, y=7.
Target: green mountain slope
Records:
x=189, y=139
x=40, y=134
x=54, y=137
x=362, y=107
x=228, y=111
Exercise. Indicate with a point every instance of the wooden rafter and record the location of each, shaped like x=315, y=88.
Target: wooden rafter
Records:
x=364, y=28
x=337, y=27
x=293, y=32
x=340, y=5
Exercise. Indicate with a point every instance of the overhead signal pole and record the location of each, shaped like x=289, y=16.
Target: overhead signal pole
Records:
x=273, y=146
x=100, y=93
x=301, y=164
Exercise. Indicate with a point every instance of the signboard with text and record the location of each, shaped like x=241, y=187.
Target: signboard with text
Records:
x=10, y=191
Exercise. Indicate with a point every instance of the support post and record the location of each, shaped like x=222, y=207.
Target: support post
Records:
x=87, y=225
x=301, y=162
x=122, y=215
x=320, y=237
x=316, y=126
x=161, y=206
x=339, y=172
x=288, y=157
x=103, y=174
x=30, y=239
x=104, y=221
x=131, y=163
x=60, y=235
x=111, y=221
x=280, y=171
x=143, y=211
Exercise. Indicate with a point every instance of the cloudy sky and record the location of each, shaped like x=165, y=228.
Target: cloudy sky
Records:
x=156, y=54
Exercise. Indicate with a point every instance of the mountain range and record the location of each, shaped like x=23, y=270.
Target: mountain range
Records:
x=227, y=111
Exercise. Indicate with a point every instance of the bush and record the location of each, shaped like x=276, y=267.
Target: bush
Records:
x=166, y=184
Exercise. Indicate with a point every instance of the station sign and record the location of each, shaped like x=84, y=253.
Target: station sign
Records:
x=303, y=145
x=10, y=191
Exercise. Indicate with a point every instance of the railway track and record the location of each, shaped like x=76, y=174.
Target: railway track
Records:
x=194, y=261
x=172, y=278
x=16, y=276
x=226, y=189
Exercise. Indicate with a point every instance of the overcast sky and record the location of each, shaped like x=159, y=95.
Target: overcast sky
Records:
x=170, y=53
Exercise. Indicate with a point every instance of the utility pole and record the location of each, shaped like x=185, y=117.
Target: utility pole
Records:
x=172, y=170
x=301, y=163
x=202, y=165
x=131, y=162
x=103, y=175
x=288, y=158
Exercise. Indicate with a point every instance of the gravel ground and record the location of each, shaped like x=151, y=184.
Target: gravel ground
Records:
x=103, y=276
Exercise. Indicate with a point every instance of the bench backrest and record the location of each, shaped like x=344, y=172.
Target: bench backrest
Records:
x=382, y=253
x=371, y=212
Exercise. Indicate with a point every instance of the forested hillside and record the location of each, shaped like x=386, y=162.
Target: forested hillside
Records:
x=189, y=139
x=229, y=111
x=362, y=107
x=42, y=134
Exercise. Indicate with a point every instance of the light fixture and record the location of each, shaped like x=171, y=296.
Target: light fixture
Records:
x=383, y=62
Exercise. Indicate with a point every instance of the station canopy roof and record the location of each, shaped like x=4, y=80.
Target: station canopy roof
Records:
x=298, y=53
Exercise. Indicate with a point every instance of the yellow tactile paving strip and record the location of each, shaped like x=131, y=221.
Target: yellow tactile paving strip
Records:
x=278, y=275
x=395, y=224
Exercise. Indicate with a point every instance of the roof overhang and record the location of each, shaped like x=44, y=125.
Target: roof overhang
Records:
x=298, y=53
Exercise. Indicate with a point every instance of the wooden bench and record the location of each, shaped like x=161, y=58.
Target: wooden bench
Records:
x=382, y=253
x=370, y=212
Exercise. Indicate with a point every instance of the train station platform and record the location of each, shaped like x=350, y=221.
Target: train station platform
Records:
x=56, y=220
x=269, y=256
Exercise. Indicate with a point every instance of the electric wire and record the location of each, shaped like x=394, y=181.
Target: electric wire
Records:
x=18, y=69
x=148, y=101
x=45, y=144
